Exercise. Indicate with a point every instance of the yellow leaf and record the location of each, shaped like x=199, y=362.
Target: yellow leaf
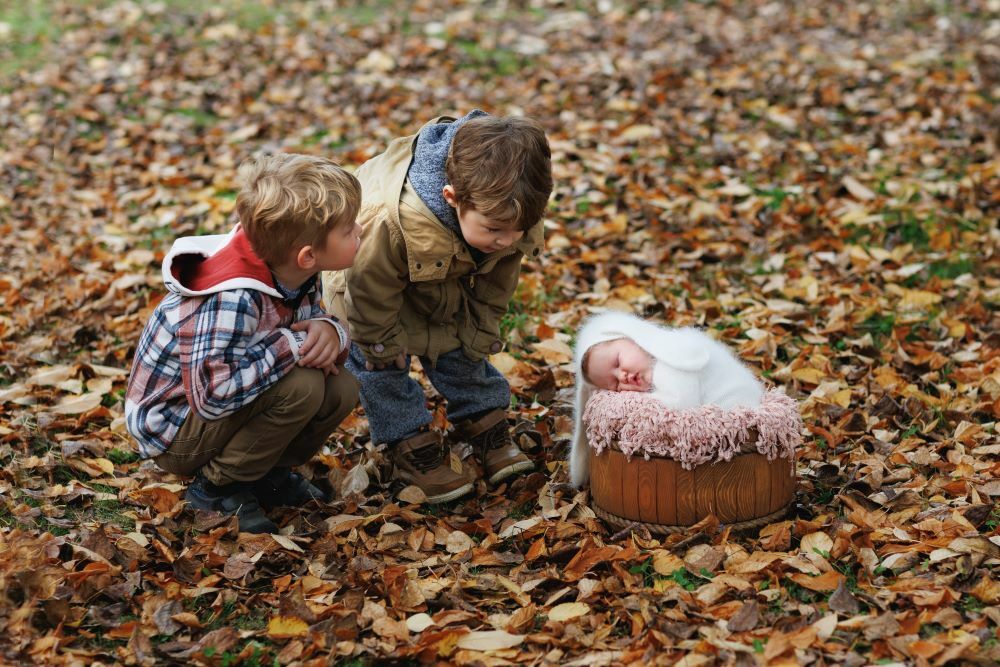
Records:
x=554, y=351
x=666, y=563
x=841, y=398
x=808, y=374
x=412, y=494
x=568, y=610
x=105, y=465
x=286, y=627
x=914, y=299
x=817, y=542
x=637, y=133
x=632, y=293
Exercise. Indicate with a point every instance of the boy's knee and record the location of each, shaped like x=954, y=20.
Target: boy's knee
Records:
x=302, y=390
x=342, y=391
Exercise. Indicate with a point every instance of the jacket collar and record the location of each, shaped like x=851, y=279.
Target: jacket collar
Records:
x=431, y=248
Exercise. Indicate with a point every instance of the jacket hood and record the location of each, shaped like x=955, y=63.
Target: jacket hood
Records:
x=427, y=169
x=202, y=265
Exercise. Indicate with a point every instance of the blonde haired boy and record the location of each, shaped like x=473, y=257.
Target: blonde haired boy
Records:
x=448, y=215
x=237, y=378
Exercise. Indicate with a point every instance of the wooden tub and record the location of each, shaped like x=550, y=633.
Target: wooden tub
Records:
x=746, y=492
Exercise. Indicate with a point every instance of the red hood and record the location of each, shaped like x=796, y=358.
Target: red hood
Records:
x=200, y=268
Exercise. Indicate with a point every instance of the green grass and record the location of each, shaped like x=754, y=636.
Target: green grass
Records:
x=122, y=457
x=774, y=196
x=880, y=326
x=521, y=511
x=31, y=29
x=36, y=26
x=498, y=62
x=526, y=305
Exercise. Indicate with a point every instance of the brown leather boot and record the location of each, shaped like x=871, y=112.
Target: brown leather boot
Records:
x=424, y=461
x=492, y=446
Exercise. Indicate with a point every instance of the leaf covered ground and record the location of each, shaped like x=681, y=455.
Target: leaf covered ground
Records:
x=816, y=183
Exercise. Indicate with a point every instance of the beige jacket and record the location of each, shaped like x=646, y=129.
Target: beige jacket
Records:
x=414, y=286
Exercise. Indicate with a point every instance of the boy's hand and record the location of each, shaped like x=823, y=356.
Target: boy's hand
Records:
x=322, y=345
x=399, y=361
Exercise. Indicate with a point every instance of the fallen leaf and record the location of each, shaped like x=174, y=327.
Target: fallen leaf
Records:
x=568, y=611
x=286, y=627
x=489, y=640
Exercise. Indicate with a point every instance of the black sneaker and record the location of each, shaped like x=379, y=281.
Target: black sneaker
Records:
x=233, y=499
x=282, y=487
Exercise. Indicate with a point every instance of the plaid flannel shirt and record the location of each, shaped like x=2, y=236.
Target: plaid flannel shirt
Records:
x=215, y=354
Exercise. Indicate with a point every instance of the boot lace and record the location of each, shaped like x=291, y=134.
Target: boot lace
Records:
x=493, y=438
x=426, y=458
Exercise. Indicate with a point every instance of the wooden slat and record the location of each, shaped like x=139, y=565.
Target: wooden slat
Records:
x=602, y=489
x=615, y=499
x=706, y=481
x=599, y=478
x=630, y=486
x=782, y=484
x=736, y=491
x=647, y=488
x=666, y=491
x=687, y=511
x=761, y=470
x=786, y=473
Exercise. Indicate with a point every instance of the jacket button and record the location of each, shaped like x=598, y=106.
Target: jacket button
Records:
x=418, y=265
x=440, y=264
x=495, y=347
x=534, y=253
x=378, y=347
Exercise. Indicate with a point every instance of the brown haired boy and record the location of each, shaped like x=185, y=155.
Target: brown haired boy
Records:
x=448, y=214
x=236, y=377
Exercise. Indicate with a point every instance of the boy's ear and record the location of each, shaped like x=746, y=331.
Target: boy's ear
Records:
x=448, y=193
x=305, y=259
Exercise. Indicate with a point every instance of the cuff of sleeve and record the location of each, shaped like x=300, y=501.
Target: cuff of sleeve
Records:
x=342, y=333
x=345, y=337
x=486, y=342
x=295, y=341
x=379, y=352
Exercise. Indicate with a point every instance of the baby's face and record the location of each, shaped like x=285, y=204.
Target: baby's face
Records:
x=620, y=365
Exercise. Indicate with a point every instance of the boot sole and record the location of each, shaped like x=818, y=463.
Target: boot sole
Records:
x=451, y=495
x=512, y=469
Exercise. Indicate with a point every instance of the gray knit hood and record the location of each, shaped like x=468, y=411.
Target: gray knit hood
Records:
x=426, y=172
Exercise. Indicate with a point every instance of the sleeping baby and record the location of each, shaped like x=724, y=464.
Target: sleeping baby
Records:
x=681, y=368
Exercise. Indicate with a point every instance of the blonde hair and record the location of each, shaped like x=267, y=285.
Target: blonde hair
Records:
x=502, y=168
x=287, y=201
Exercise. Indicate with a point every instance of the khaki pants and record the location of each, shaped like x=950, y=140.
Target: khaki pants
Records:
x=285, y=426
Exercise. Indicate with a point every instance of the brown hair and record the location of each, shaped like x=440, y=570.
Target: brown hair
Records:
x=288, y=201
x=502, y=168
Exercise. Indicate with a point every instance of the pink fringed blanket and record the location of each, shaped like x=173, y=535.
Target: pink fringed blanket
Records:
x=638, y=424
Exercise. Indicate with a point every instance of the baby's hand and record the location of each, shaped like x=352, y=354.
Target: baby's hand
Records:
x=322, y=345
